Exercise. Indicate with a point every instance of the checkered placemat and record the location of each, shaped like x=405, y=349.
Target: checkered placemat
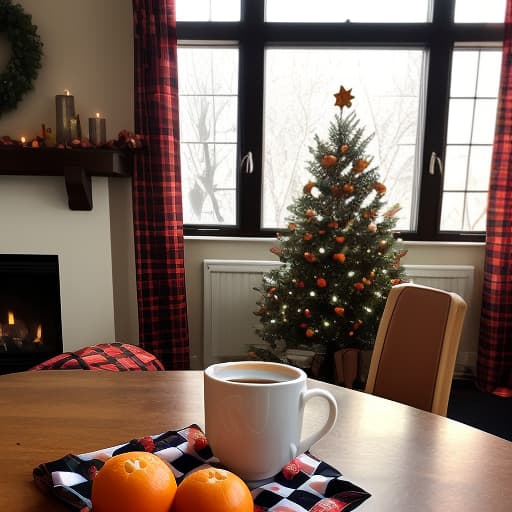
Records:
x=304, y=484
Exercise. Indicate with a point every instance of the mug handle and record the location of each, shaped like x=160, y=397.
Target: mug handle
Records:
x=306, y=444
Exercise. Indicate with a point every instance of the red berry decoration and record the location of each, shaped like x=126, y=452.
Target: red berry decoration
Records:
x=328, y=505
x=310, y=332
x=339, y=310
x=307, y=313
x=310, y=257
x=307, y=236
x=340, y=239
x=359, y=286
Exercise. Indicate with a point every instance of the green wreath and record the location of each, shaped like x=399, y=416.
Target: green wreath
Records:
x=26, y=54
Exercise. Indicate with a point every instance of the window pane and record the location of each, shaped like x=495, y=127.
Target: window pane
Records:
x=489, y=75
x=471, y=125
x=460, y=121
x=479, y=168
x=476, y=212
x=329, y=11
x=207, y=10
x=298, y=85
x=464, y=212
x=456, y=167
x=478, y=11
x=464, y=73
x=484, y=122
x=208, y=133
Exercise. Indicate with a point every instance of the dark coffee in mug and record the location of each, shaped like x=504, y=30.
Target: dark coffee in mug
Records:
x=254, y=381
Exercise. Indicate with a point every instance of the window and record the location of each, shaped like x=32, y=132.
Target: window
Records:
x=255, y=79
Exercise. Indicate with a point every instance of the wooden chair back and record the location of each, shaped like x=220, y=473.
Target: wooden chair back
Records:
x=416, y=347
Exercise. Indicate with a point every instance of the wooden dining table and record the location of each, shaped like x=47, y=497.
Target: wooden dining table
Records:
x=408, y=460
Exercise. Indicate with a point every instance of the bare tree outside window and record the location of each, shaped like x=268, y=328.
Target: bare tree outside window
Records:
x=208, y=132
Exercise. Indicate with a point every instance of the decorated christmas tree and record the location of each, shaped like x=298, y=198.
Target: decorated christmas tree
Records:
x=339, y=255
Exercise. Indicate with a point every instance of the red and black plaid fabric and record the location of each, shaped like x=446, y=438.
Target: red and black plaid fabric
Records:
x=115, y=357
x=157, y=208
x=495, y=347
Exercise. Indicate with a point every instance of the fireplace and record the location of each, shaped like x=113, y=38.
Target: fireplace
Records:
x=30, y=316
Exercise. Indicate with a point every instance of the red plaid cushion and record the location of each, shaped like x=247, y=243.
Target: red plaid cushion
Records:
x=115, y=357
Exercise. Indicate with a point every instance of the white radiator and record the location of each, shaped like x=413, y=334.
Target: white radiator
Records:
x=230, y=301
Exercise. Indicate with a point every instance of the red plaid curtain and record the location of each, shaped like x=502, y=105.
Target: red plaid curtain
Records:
x=495, y=348
x=157, y=210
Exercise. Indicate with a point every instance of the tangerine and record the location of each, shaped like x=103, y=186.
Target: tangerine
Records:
x=134, y=481
x=213, y=490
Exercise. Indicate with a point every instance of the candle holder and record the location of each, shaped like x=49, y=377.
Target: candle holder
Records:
x=65, y=110
x=97, y=130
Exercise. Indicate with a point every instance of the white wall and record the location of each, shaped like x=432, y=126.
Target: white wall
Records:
x=88, y=49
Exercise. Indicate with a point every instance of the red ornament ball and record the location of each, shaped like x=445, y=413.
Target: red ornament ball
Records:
x=321, y=282
x=328, y=161
x=339, y=257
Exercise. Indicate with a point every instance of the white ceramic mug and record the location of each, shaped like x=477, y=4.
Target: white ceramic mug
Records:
x=254, y=414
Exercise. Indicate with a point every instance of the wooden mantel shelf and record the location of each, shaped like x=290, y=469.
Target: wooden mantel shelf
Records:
x=76, y=165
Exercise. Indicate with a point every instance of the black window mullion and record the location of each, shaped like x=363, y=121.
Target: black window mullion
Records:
x=440, y=48
x=252, y=51
x=436, y=114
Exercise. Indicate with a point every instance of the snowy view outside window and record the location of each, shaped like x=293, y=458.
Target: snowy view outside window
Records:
x=299, y=83
x=299, y=103
x=208, y=88
x=471, y=123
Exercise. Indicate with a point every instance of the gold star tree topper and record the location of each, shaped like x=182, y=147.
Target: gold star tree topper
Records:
x=343, y=98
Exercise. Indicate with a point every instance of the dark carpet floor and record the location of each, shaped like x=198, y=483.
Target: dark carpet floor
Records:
x=485, y=411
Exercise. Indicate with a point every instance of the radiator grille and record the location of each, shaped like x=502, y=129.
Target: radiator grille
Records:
x=229, y=303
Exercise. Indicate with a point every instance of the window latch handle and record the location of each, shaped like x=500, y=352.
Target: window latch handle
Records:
x=435, y=160
x=247, y=163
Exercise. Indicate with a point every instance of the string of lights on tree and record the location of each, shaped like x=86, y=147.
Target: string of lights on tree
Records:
x=339, y=254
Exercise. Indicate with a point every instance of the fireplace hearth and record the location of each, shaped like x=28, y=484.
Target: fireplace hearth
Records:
x=30, y=314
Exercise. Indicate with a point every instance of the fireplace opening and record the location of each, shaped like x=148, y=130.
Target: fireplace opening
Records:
x=30, y=310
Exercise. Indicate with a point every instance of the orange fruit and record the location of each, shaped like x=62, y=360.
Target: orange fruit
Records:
x=213, y=490
x=133, y=481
